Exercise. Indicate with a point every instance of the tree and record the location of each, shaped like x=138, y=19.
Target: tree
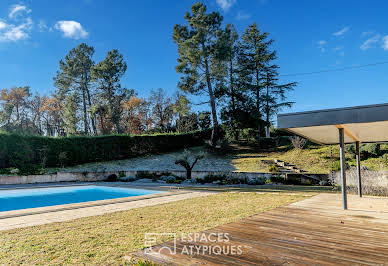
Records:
x=162, y=109
x=70, y=115
x=15, y=104
x=188, y=160
x=200, y=54
x=204, y=120
x=254, y=57
x=74, y=76
x=135, y=115
x=274, y=97
x=51, y=113
x=108, y=74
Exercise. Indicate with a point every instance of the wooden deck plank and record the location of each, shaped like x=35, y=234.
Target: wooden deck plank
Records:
x=298, y=234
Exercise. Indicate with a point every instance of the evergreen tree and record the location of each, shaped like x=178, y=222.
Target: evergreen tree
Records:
x=254, y=57
x=108, y=74
x=200, y=55
x=274, y=96
x=75, y=76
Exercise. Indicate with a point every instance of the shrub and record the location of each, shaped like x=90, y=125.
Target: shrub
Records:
x=257, y=181
x=370, y=150
x=111, y=178
x=273, y=168
x=20, y=150
x=171, y=179
x=298, y=142
x=211, y=178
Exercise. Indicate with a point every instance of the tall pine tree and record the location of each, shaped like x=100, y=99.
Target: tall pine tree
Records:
x=199, y=56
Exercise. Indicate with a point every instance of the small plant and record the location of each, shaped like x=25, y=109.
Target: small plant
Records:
x=298, y=142
x=171, y=179
x=188, y=160
x=257, y=181
x=121, y=174
x=273, y=168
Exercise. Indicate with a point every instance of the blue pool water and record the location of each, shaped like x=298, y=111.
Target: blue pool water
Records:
x=40, y=197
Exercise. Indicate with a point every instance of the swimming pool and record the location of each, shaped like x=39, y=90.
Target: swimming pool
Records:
x=41, y=197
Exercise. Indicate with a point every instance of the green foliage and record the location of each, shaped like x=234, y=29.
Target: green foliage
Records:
x=370, y=150
x=273, y=168
x=366, y=150
x=171, y=179
x=336, y=165
x=257, y=181
x=22, y=151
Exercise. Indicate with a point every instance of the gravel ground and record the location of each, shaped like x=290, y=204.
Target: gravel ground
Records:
x=161, y=162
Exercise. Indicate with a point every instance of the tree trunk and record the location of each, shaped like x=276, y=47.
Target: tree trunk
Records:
x=85, y=112
x=267, y=132
x=92, y=117
x=215, y=132
x=233, y=96
x=258, y=101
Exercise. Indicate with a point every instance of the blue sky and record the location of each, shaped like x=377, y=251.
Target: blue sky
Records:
x=309, y=36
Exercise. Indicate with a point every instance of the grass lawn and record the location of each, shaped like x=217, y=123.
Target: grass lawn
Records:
x=106, y=239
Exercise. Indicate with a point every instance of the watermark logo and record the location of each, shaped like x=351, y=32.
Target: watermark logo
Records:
x=151, y=239
x=192, y=244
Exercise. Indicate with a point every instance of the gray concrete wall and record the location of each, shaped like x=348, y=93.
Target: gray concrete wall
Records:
x=101, y=176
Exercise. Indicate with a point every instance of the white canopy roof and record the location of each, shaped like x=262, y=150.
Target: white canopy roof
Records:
x=367, y=123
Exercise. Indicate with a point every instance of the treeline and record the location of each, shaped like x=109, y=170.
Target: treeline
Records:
x=236, y=73
x=89, y=100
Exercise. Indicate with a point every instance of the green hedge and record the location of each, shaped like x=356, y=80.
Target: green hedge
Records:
x=24, y=151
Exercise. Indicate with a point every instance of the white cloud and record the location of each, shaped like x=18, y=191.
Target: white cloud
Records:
x=71, y=29
x=321, y=45
x=16, y=10
x=13, y=33
x=3, y=25
x=225, y=4
x=370, y=42
x=385, y=42
x=242, y=15
x=338, y=48
x=342, y=31
x=42, y=26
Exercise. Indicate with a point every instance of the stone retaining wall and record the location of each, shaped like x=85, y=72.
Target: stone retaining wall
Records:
x=101, y=176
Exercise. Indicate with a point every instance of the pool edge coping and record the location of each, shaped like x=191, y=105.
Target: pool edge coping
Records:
x=80, y=205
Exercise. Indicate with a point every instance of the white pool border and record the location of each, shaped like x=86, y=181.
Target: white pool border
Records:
x=71, y=206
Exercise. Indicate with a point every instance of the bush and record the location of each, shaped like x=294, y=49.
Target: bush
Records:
x=298, y=142
x=171, y=179
x=273, y=168
x=211, y=178
x=257, y=181
x=111, y=178
x=370, y=150
x=20, y=150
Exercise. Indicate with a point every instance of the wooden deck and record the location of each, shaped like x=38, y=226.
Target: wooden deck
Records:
x=314, y=231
